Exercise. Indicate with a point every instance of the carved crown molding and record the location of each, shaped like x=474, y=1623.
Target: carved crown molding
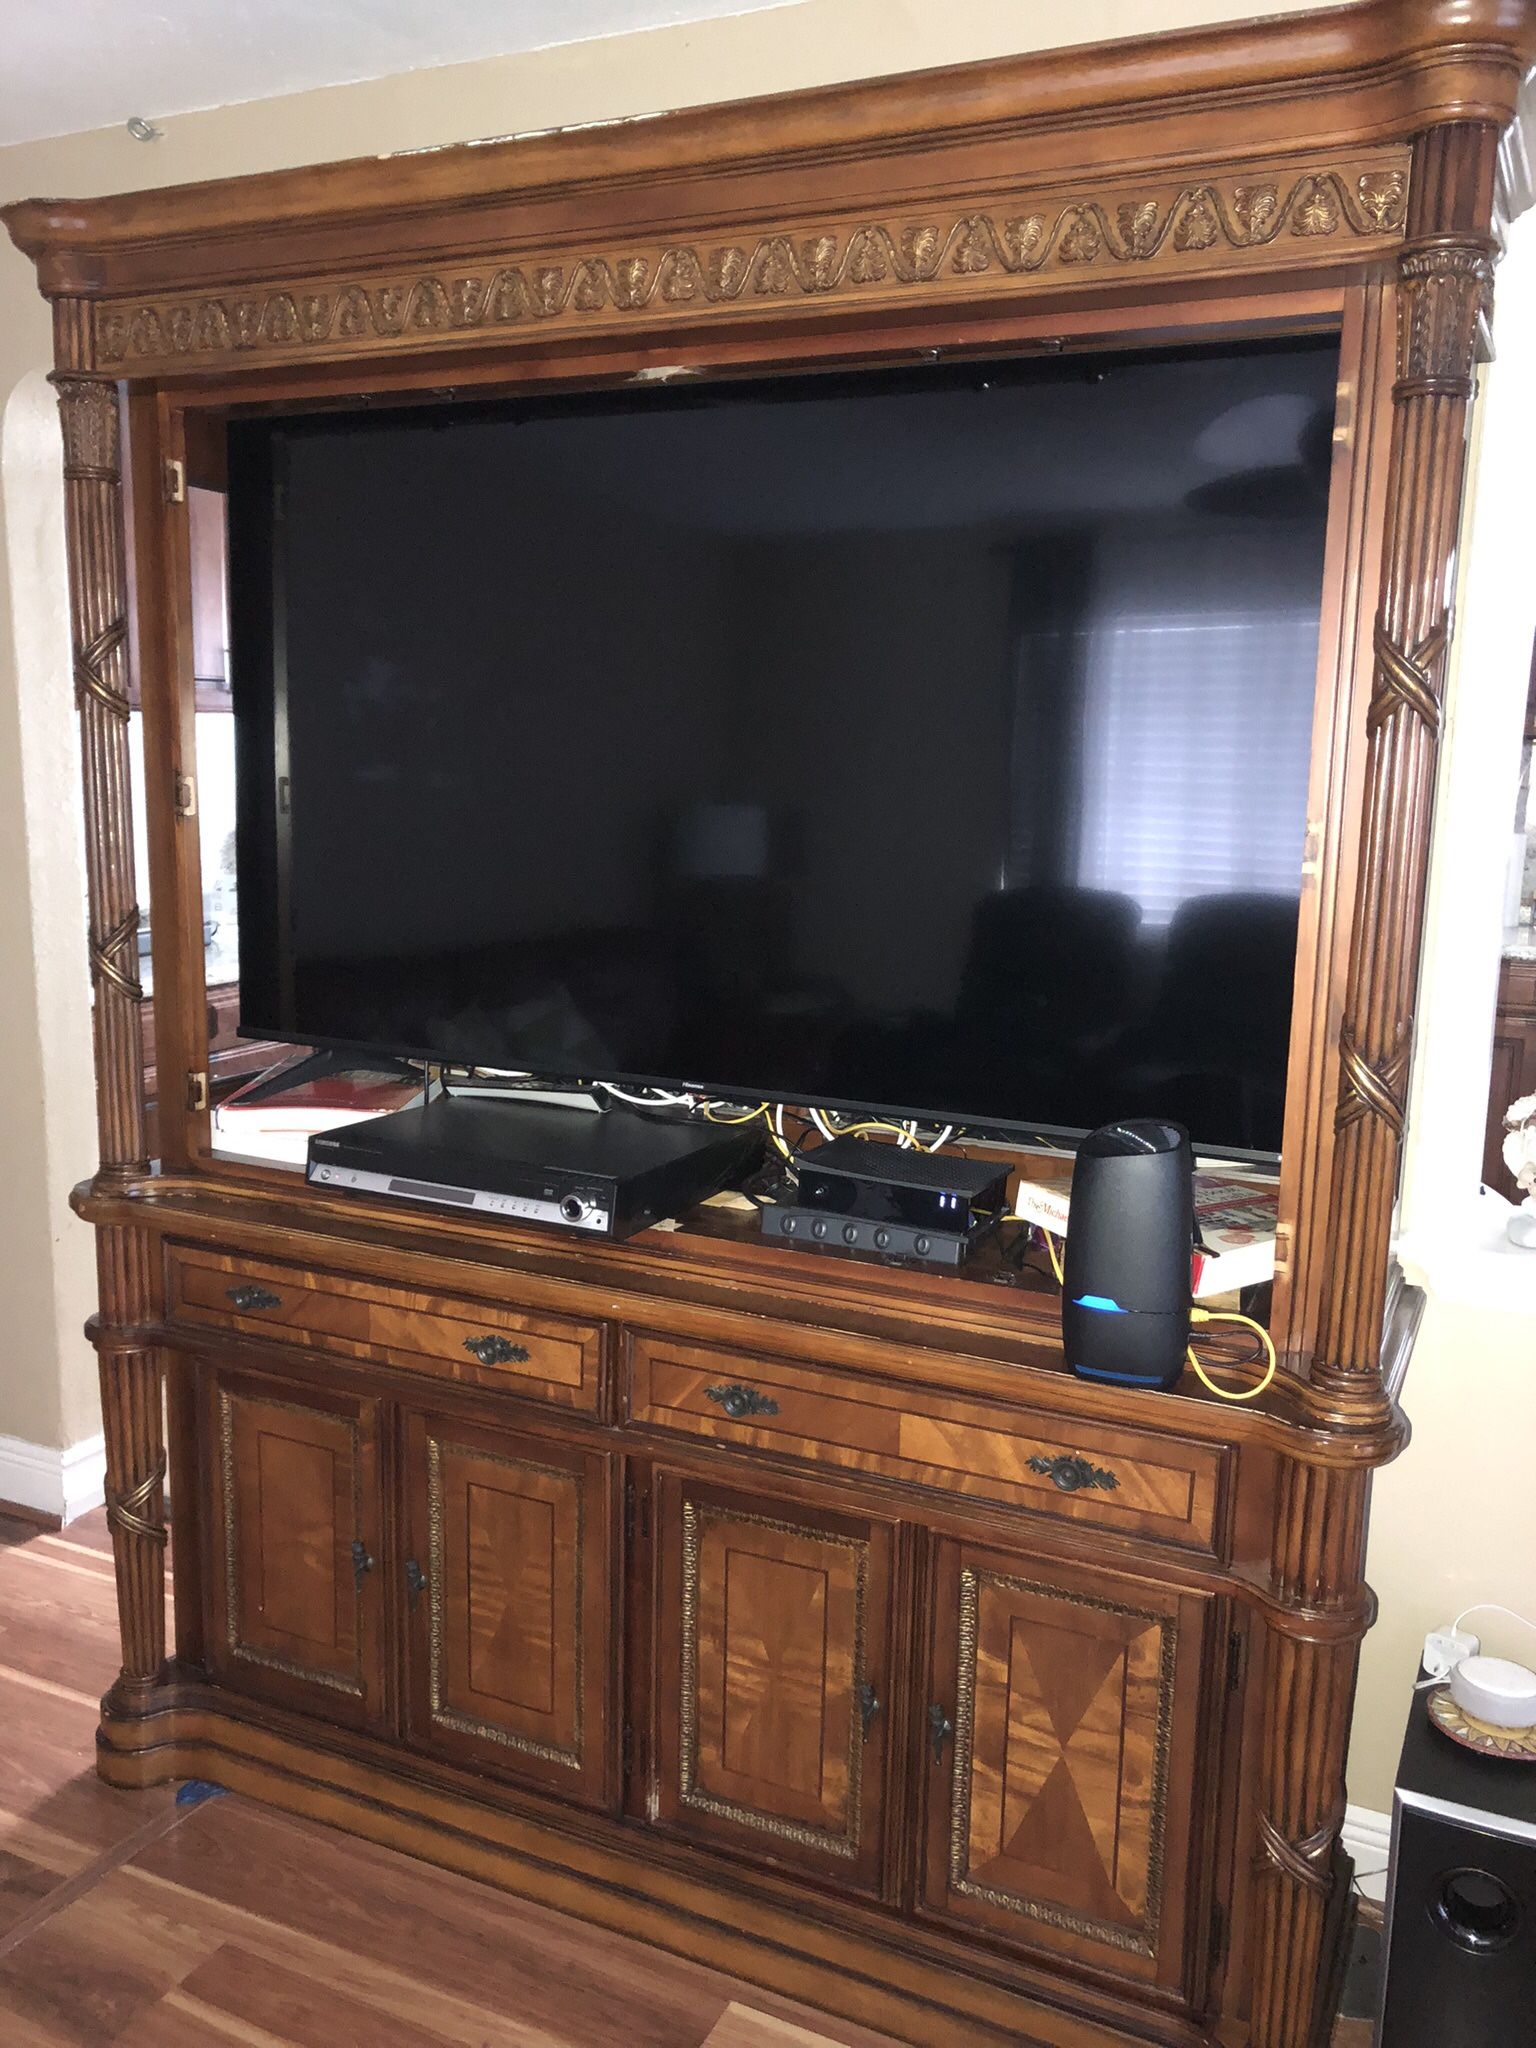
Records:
x=1240, y=217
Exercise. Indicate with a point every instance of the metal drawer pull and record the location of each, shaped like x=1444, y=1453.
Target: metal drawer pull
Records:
x=869, y=1706
x=253, y=1297
x=496, y=1351
x=940, y=1729
x=362, y=1563
x=1073, y=1474
x=738, y=1401
x=415, y=1581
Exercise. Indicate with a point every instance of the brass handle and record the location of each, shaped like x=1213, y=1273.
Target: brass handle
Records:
x=253, y=1297
x=940, y=1729
x=415, y=1580
x=738, y=1401
x=869, y=1706
x=495, y=1351
x=362, y=1563
x=1074, y=1474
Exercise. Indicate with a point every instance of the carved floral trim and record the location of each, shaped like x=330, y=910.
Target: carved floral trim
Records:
x=1085, y=236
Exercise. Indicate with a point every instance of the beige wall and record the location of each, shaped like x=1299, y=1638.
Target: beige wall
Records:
x=1453, y=1521
x=1473, y=1390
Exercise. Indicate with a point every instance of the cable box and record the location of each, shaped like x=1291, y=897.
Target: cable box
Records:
x=903, y=1204
x=601, y=1176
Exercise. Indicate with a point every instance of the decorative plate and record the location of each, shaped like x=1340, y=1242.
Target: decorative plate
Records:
x=1518, y=1744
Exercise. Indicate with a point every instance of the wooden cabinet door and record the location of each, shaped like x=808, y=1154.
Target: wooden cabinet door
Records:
x=772, y=1677
x=296, y=1523
x=1062, y=1750
x=509, y=1588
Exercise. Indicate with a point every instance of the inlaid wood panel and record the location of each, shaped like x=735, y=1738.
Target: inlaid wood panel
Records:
x=772, y=1683
x=1057, y=1819
x=1157, y=1486
x=296, y=1521
x=481, y=1344
x=509, y=1594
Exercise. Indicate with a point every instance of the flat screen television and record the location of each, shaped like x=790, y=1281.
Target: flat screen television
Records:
x=933, y=740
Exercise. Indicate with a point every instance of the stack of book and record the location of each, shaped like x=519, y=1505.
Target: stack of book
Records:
x=1235, y=1218
x=272, y=1118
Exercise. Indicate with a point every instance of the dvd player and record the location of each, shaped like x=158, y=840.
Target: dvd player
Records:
x=608, y=1176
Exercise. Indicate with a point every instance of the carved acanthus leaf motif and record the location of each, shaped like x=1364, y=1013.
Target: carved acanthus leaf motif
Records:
x=775, y=269
x=1255, y=207
x=1382, y=195
x=1137, y=222
x=88, y=419
x=1318, y=212
x=1199, y=225
x=973, y=252
x=1021, y=237
x=1080, y=240
x=1444, y=292
x=1218, y=218
x=818, y=262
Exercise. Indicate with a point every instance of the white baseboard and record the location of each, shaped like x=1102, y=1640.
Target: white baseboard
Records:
x=53, y=1482
x=1367, y=1836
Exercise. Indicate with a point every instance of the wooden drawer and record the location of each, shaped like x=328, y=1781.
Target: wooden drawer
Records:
x=480, y=1344
x=1143, y=1485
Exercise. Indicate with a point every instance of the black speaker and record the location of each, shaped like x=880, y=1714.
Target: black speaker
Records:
x=1125, y=1297
x=1460, y=1962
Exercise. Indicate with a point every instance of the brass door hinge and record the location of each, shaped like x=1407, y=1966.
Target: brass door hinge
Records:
x=186, y=797
x=175, y=481
x=197, y=1091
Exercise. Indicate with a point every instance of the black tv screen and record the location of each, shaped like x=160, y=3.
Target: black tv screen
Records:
x=934, y=740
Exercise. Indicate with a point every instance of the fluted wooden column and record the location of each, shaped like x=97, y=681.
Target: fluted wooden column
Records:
x=1311, y=1648
x=1322, y=1607
x=130, y=1369
x=1445, y=274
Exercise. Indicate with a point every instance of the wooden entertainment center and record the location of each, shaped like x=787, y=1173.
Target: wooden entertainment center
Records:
x=794, y=1612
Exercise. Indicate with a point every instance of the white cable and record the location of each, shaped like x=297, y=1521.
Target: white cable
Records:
x=658, y=1098
x=1491, y=1607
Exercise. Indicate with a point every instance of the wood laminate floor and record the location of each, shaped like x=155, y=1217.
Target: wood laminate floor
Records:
x=137, y=1920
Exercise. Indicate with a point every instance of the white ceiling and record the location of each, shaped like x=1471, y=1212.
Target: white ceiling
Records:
x=69, y=65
